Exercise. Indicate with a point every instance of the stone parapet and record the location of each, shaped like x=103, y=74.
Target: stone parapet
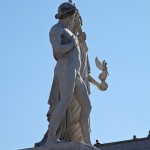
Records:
x=135, y=144
x=66, y=146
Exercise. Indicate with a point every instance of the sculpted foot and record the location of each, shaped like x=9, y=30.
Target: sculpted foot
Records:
x=50, y=141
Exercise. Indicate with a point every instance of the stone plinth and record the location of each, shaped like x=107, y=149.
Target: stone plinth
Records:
x=67, y=146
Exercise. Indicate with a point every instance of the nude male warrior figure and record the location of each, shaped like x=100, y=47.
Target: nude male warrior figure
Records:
x=69, y=129
x=67, y=71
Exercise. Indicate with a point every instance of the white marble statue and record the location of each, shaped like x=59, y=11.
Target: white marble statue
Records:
x=69, y=128
x=70, y=107
x=67, y=72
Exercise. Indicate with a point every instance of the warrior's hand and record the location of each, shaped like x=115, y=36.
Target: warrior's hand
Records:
x=82, y=37
x=75, y=40
x=100, y=87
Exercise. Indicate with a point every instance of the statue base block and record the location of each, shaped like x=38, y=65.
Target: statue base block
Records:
x=67, y=146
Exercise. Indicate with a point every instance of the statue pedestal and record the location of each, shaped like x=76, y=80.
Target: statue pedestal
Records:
x=66, y=146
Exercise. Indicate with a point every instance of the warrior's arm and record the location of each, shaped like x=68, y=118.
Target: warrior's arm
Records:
x=58, y=47
x=93, y=81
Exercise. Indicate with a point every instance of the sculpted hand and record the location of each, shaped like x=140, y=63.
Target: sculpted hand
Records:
x=99, y=87
x=103, y=86
x=82, y=37
x=75, y=40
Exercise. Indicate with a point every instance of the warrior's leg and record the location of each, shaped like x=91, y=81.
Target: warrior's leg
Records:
x=54, y=97
x=43, y=141
x=66, y=88
x=81, y=95
x=53, y=101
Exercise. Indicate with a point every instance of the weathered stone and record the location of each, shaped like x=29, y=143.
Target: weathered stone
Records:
x=66, y=146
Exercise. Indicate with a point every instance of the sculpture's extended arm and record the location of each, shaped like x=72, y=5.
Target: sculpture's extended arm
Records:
x=93, y=81
x=56, y=40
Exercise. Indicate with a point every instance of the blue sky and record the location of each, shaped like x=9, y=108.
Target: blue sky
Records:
x=117, y=31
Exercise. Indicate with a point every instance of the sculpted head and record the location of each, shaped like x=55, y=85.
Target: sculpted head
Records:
x=65, y=10
x=77, y=20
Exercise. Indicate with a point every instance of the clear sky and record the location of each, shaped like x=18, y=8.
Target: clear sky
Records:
x=117, y=31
